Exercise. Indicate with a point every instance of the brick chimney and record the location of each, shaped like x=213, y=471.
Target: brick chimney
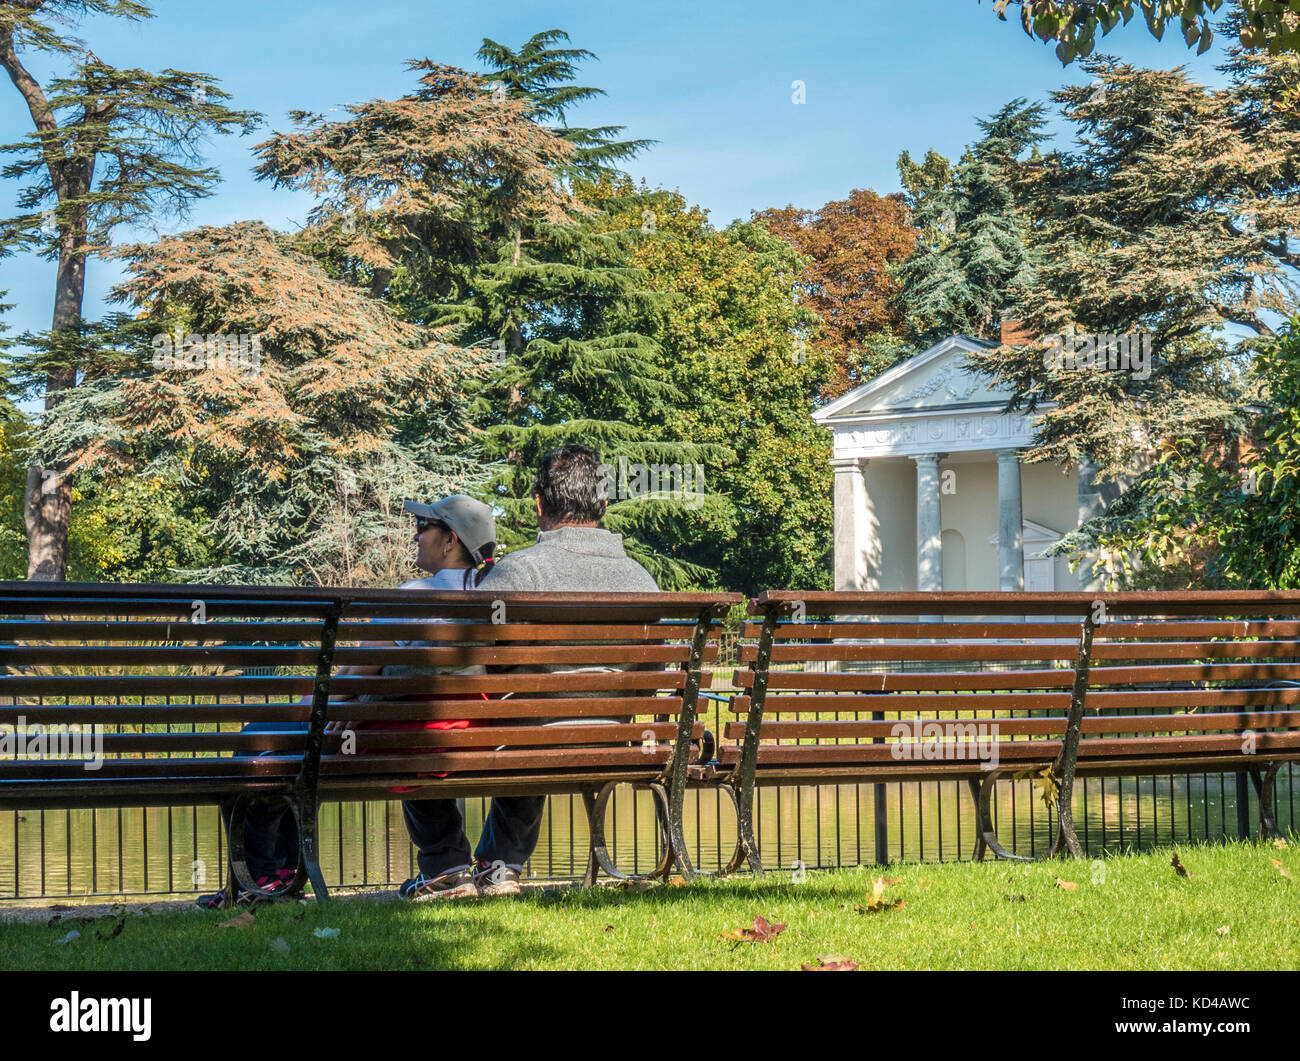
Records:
x=1014, y=333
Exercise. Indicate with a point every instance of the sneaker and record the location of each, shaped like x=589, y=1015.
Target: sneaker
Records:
x=497, y=878
x=279, y=887
x=457, y=883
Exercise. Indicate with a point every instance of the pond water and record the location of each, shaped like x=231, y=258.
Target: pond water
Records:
x=169, y=850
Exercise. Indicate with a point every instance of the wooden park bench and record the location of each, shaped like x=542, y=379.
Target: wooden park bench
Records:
x=565, y=693
x=849, y=688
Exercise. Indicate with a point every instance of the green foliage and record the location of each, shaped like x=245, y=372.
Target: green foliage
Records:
x=1272, y=25
x=976, y=253
x=742, y=351
x=1226, y=517
x=13, y=481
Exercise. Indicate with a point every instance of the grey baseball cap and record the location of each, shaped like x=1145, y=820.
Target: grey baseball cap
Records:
x=471, y=520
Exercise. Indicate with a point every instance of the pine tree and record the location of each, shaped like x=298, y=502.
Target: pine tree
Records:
x=1161, y=226
x=452, y=204
x=110, y=146
x=976, y=253
x=291, y=405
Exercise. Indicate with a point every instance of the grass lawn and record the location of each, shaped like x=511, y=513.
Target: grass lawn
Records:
x=1236, y=910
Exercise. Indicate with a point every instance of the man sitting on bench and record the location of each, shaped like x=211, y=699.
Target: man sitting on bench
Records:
x=572, y=553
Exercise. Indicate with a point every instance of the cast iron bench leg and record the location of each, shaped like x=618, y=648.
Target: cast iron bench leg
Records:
x=1264, y=791
x=981, y=846
x=987, y=831
x=600, y=849
x=593, y=864
x=306, y=811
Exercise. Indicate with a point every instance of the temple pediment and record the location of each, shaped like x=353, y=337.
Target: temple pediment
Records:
x=933, y=380
x=929, y=403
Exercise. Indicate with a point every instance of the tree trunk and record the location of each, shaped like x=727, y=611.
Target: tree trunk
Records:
x=47, y=507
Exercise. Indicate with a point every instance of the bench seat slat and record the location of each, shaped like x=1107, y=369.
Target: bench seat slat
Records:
x=776, y=729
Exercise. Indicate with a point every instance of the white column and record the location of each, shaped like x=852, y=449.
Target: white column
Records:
x=1011, y=551
x=851, y=529
x=1093, y=499
x=929, y=524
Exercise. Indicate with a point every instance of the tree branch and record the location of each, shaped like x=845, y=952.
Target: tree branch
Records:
x=39, y=107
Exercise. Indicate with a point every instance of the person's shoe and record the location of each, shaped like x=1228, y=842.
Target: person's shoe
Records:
x=215, y=901
x=279, y=887
x=455, y=883
x=497, y=878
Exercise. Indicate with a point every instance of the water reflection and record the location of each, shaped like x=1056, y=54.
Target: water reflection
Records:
x=162, y=850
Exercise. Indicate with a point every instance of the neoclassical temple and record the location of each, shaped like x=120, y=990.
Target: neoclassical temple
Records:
x=930, y=490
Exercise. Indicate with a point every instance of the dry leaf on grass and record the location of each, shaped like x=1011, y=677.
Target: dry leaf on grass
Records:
x=831, y=963
x=764, y=931
x=1067, y=885
x=241, y=921
x=876, y=901
x=1280, y=844
x=1222, y=930
x=1179, y=867
x=1281, y=868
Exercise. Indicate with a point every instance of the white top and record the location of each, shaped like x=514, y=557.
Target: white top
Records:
x=447, y=578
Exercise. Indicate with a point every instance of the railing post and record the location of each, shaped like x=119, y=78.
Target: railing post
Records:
x=1243, y=806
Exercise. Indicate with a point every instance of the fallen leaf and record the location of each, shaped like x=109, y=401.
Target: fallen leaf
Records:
x=831, y=963
x=279, y=945
x=892, y=880
x=1281, y=868
x=1222, y=930
x=608, y=928
x=764, y=931
x=74, y=934
x=1279, y=843
x=677, y=882
x=325, y=933
x=1179, y=867
x=876, y=901
x=1067, y=885
x=246, y=918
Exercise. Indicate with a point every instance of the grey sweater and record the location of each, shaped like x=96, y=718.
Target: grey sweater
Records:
x=574, y=558
x=571, y=558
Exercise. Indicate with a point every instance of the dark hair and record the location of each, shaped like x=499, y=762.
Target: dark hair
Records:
x=473, y=576
x=568, y=484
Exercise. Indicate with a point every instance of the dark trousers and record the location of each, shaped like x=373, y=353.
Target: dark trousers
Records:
x=270, y=838
x=270, y=829
x=438, y=832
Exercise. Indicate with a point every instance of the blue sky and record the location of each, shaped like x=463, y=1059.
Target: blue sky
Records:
x=711, y=81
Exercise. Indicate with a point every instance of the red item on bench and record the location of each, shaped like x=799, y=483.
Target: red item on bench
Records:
x=408, y=724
